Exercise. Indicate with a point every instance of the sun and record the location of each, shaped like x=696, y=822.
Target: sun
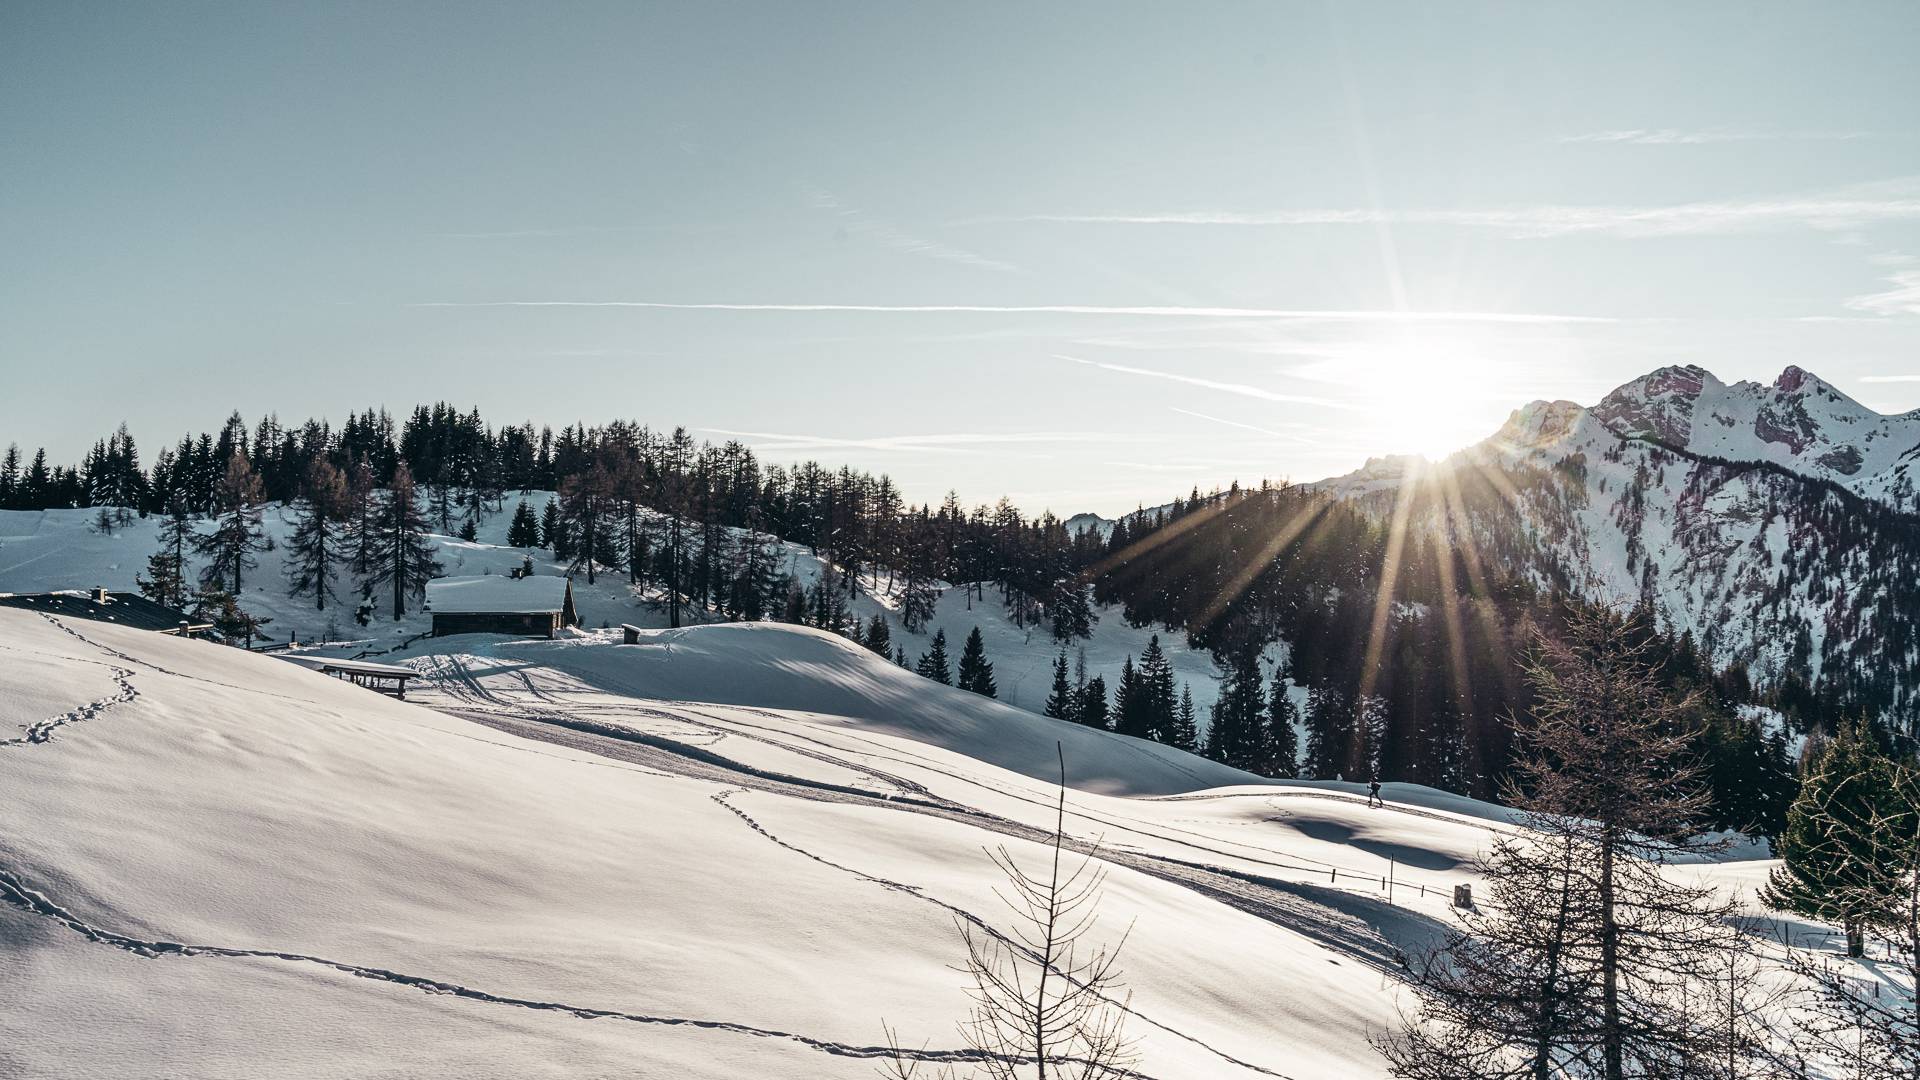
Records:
x=1428, y=398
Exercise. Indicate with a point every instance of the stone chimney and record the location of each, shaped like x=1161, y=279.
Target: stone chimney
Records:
x=100, y=596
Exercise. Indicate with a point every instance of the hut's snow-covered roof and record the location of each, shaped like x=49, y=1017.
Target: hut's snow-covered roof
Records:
x=496, y=592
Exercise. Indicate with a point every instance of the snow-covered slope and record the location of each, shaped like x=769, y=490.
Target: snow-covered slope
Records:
x=58, y=549
x=218, y=864
x=1799, y=421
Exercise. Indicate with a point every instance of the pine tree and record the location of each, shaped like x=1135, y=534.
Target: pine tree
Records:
x=237, y=534
x=1185, y=734
x=1237, y=734
x=524, y=531
x=879, y=636
x=553, y=534
x=318, y=544
x=1062, y=703
x=1156, y=688
x=1825, y=872
x=1130, y=706
x=1872, y=1035
x=402, y=554
x=1091, y=709
x=10, y=478
x=1283, y=743
x=976, y=671
x=933, y=662
x=1329, y=724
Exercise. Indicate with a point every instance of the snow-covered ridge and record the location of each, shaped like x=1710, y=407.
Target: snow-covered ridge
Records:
x=1799, y=421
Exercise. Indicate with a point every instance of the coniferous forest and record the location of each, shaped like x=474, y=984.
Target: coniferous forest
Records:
x=1409, y=656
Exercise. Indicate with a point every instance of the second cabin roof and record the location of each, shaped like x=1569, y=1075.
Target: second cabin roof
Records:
x=496, y=593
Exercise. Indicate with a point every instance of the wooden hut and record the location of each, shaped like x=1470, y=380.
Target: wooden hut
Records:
x=530, y=606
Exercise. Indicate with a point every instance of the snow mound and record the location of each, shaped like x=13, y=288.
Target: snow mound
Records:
x=778, y=666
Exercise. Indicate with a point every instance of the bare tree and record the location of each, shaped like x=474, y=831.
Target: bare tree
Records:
x=1590, y=961
x=1046, y=1002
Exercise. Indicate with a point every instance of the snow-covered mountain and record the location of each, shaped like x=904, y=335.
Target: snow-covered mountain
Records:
x=1762, y=519
x=1799, y=422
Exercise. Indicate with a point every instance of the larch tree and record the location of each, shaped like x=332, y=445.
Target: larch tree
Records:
x=165, y=581
x=1048, y=1000
x=318, y=546
x=1589, y=962
x=236, y=535
x=402, y=555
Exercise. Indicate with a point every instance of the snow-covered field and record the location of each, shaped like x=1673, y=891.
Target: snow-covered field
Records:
x=725, y=851
x=663, y=888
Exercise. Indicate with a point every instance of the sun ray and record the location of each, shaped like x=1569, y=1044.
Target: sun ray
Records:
x=1389, y=580
x=1248, y=571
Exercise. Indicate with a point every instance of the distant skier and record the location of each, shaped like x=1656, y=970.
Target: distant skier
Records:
x=1373, y=795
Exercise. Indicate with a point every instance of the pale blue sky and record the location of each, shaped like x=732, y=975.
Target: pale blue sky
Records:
x=1262, y=239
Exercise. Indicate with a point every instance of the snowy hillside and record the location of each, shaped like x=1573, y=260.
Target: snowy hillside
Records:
x=46, y=550
x=254, y=869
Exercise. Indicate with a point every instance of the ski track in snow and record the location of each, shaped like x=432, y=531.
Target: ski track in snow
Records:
x=960, y=913
x=15, y=891
x=1322, y=915
x=18, y=894
x=1345, y=922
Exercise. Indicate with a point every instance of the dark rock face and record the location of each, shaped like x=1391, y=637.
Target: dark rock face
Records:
x=1786, y=422
x=1659, y=405
x=1845, y=460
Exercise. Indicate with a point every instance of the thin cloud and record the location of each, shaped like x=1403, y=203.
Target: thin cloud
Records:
x=1152, y=311
x=1902, y=299
x=1238, y=424
x=1677, y=137
x=1241, y=389
x=1832, y=211
x=1889, y=378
